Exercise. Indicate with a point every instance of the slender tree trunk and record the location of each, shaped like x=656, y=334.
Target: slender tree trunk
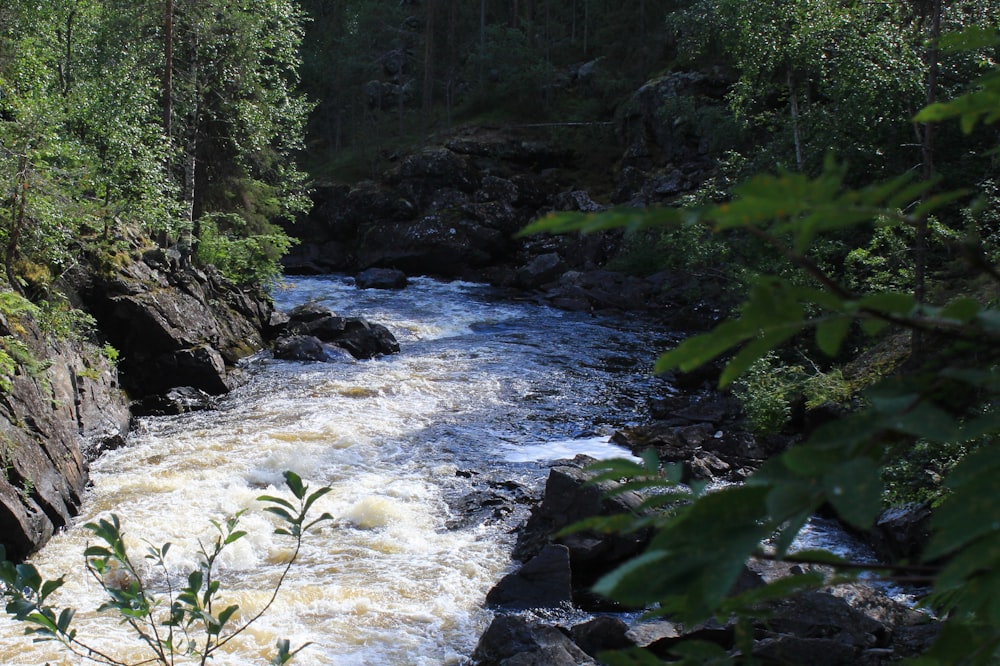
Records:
x=927, y=158
x=168, y=67
x=482, y=39
x=796, y=130
x=17, y=219
x=427, y=98
x=572, y=25
x=65, y=68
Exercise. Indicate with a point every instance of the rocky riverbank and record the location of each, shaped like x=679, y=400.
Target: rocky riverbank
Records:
x=452, y=208
x=176, y=332
x=839, y=625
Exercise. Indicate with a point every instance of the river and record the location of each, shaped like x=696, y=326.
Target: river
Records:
x=482, y=385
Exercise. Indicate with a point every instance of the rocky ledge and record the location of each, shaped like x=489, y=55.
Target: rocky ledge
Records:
x=835, y=626
x=178, y=333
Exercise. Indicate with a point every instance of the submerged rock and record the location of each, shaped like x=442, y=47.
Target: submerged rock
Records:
x=179, y=400
x=381, y=278
x=311, y=324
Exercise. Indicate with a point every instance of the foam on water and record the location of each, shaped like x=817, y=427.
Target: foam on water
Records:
x=600, y=448
x=479, y=384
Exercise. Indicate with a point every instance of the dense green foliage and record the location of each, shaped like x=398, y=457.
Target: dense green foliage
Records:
x=180, y=621
x=941, y=405
x=107, y=124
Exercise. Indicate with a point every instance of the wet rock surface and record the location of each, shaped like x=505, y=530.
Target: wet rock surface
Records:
x=703, y=432
x=51, y=419
x=175, y=326
x=310, y=326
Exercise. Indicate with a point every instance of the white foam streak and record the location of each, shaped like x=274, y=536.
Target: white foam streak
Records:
x=385, y=582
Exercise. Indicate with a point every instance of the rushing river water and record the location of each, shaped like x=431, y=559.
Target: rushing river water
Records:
x=481, y=385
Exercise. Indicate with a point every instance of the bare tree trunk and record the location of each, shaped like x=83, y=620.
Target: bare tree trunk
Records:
x=168, y=67
x=927, y=158
x=482, y=39
x=572, y=28
x=17, y=221
x=427, y=98
x=65, y=68
x=796, y=131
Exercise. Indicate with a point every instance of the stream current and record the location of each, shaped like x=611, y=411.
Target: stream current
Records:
x=481, y=385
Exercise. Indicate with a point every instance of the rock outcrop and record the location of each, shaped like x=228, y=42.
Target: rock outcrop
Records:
x=178, y=332
x=836, y=626
x=175, y=326
x=63, y=404
x=310, y=325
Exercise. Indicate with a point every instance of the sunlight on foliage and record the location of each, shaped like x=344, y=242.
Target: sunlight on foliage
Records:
x=943, y=403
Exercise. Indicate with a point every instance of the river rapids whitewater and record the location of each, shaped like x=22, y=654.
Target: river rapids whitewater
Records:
x=481, y=385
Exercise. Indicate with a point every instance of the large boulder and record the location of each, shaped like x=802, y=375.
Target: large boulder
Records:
x=381, y=278
x=446, y=243
x=570, y=498
x=175, y=326
x=513, y=640
x=544, y=581
x=671, y=141
x=310, y=324
x=300, y=348
x=902, y=533
x=449, y=210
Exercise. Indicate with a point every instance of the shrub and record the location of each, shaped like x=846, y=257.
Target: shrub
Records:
x=184, y=622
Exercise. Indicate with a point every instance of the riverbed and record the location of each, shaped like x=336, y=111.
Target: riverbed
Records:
x=482, y=386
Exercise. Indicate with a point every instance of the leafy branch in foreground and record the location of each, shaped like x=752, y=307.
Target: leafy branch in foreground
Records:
x=172, y=623
x=947, y=396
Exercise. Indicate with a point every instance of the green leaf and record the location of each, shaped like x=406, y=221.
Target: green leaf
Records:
x=819, y=556
x=830, y=333
x=276, y=500
x=971, y=509
x=234, y=536
x=281, y=513
x=873, y=325
x=855, y=491
x=700, y=349
x=294, y=482
x=226, y=614
x=771, y=338
x=887, y=302
x=65, y=618
x=927, y=421
x=962, y=309
x=48, y=587
x=313, y=497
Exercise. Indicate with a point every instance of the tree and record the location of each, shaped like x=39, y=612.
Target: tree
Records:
x=104, y=126
x=944, y=399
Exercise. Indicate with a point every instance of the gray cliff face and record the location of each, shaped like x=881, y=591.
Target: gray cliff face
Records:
x=173, y=327
x=65, y=403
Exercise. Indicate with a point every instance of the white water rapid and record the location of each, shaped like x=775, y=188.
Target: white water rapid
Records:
x=481, y=385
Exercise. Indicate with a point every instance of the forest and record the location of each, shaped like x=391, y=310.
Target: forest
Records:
x=850, y=205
